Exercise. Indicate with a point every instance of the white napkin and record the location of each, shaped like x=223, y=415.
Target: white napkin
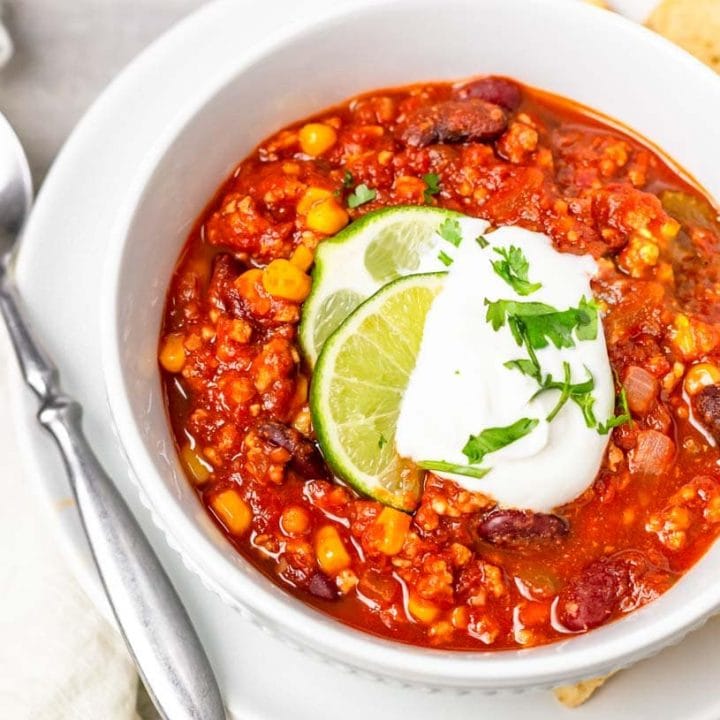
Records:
x=59, y=659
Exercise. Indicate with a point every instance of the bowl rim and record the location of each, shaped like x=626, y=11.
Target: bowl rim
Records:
x=277, y=610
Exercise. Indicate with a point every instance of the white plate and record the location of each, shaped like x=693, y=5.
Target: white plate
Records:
x=59, y=271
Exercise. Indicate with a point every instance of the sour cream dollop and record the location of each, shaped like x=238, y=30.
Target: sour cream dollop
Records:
x=460, y=385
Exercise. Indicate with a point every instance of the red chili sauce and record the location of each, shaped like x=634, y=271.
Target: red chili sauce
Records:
x=237, y=386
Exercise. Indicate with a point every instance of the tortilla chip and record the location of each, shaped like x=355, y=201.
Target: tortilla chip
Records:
x=692, y=24
x=574, y=695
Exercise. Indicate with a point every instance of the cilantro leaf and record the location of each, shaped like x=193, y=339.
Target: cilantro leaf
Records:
x=492, y=439
x=442, y=466
x=513, y=269
x=564, y=392
x=362, y=194
x=481, y=241
x=586, y=403
x=348, y=179
x=538, y=324
x=450, y=231
x=526, y=367
x=616, y=420
x=587, y=327
x=432, y=182
x=499, y=310
x=445, y=259
x=580, y=393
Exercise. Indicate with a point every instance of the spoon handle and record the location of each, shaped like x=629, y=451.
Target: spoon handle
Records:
x=152, y=619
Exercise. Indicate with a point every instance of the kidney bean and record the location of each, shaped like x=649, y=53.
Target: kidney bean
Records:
x=512, y=528
x=323, y=587
x=454, y=121
x=590, y=599
x=497, y=90
x=305, y=455
x=222, y=293
x=707, y=409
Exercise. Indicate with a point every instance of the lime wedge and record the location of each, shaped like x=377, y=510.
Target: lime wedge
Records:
x=358, y=385
x=369, y=253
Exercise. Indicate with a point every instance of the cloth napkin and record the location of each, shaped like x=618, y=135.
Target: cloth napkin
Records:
x=59, y=658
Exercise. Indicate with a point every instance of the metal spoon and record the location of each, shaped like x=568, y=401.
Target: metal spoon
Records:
x=153, y=621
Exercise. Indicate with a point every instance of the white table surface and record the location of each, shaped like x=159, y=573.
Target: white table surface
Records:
x=66, y=51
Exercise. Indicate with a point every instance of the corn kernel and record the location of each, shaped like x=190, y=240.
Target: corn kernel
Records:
x=316, y=138
x=384, y=157
x=395, y=526
x=294, y=520
x=332, y=557
x=679, y=518
x=284, y=280
x=682, y=337
x=670, y=229
x=172, y=353
x=300, y=395
x=232, y=511
x=441, y=632
x=712, y=511
x=422, y=610
x=302, y=258
x=459, y=617
x=302, y=421
x=700, y=376
x=327, y=217
x=346, y=581
x=195, y=464
x=312, y=196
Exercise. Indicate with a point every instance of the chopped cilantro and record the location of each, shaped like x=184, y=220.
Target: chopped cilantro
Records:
x=442, y=466
x=362, y=194
x=450, y=231
x=615, y=421
x=492, y=439
x=513, y=269
x=481, y=241
x=580, y=393
x=587, y=327
x=445, y=259
x=537, y=324
x=586, y=403
x=564, y=388
x=382, y=441
x=526, y=367
x=432, y=183
x=348, y=179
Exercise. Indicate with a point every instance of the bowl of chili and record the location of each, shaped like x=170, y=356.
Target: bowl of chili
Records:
x=447, y=114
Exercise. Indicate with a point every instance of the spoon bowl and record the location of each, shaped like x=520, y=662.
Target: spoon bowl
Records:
x=16, y=190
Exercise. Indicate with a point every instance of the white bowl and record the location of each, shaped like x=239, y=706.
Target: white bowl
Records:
x=588, y=55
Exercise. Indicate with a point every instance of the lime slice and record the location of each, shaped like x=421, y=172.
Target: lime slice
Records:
x=369, y=253
x=358, y=386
